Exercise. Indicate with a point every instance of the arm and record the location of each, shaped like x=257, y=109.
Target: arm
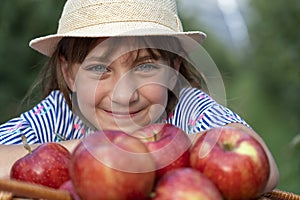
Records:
x=11, y=153
x=274, y=173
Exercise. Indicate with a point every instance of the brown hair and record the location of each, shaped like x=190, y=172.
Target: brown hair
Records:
x=74, y=50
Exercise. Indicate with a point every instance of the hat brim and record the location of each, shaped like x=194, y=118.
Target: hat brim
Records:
x=47, y=44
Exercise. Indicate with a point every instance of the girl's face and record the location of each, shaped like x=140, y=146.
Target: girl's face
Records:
x=121, y=86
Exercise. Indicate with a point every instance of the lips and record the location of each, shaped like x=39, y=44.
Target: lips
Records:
x=122, y=119
x=122, y=115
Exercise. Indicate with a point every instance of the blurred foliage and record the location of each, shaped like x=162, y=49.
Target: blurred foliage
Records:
x=273, y=62
x=20, y=21
x=262, y=82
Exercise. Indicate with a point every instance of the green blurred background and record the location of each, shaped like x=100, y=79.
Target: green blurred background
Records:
x=262, y=78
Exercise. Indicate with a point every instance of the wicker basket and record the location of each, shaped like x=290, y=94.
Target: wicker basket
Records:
x=279, y=195
x=273, y=195
x=5, y=195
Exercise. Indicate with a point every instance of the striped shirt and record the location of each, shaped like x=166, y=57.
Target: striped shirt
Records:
x=52, y=120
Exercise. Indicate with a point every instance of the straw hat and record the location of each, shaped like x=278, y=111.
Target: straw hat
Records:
x=111, y=18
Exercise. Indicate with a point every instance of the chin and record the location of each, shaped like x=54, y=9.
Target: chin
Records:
x=125, y=125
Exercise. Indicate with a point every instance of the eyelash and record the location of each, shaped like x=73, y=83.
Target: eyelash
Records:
x=99, y=69
x=145, y=67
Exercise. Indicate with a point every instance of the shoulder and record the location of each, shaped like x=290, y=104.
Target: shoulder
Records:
x=56, y=96
x=191, y=103
x=49, y=120
x=197, y=111
x=194, y=100
x=190, y=94
x=190, y=91
x=51, y=104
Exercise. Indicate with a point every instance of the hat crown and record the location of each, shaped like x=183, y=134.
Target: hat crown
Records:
x=82, y=14
x=113, y=18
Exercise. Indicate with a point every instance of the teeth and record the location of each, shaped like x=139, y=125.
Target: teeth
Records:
x=124, y=113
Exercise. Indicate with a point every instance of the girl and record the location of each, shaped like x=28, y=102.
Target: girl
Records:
x=118, y=65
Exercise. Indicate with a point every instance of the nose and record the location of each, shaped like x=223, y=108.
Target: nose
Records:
x=125, y=91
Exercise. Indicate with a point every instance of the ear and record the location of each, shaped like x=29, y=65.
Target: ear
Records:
x=68, y=74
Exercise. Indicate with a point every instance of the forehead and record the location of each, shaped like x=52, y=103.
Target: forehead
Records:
x=113, y=48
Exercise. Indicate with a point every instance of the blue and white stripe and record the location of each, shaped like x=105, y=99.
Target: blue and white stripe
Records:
x=52, y=120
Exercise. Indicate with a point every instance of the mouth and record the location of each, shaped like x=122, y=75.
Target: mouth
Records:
x=122, y=114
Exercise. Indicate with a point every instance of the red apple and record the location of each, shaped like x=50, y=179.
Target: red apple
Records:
x=187, y=184
x=47, y=165
x=168, y=144
x=233, y=160
x=112, y=165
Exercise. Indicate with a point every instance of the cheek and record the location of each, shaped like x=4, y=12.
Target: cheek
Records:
x=157, y=97
x=88, y=95
x=85, y=90
x=155, y=94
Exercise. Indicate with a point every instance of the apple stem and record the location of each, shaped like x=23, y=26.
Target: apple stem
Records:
x=152, y=195
x=26, y=145
x=155, y=135
x=227, y=146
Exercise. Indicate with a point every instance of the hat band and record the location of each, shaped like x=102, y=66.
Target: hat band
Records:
x=115, y=12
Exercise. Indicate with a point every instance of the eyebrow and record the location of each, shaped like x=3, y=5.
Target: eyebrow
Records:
x=138, y=58
x=146, y=57
x=97, y=58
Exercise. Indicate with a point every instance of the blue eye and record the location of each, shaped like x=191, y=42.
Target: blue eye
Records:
x=148, y=67
x=99, y=69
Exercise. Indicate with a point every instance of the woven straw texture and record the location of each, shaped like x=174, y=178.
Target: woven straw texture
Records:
x=279, y=195
x=110, y=18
